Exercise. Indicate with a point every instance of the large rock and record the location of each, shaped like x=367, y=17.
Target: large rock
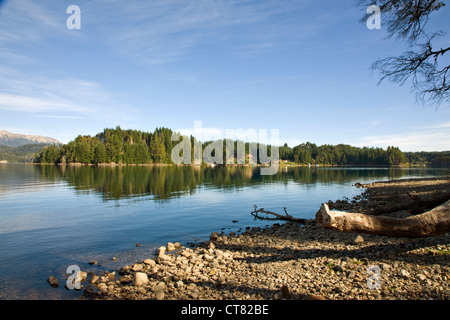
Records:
x=140, y=278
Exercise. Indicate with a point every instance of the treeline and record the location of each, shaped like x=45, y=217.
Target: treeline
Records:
x=113, y=146
x=433, y=159
x=310, y=153
x=138, y=147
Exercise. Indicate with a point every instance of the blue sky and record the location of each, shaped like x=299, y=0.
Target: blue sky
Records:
x=299, y=66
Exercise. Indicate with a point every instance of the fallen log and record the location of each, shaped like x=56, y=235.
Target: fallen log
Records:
x=430, y=223
x=413, y=202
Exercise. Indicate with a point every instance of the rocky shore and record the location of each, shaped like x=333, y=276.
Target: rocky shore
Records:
x=294, y=261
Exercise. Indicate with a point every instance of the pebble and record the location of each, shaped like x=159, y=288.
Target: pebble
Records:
x=140, y=278
x=160, y=251
x=170, y=246
x=54, y=283
x=214, y=236
x=359, y=239
x=137, y=267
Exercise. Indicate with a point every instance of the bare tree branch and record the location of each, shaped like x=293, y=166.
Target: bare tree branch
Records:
x=423, y=65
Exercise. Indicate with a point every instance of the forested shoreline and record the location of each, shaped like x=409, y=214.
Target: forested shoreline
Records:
x=118, y=146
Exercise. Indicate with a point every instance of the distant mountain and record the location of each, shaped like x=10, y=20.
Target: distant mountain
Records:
x=15, y=139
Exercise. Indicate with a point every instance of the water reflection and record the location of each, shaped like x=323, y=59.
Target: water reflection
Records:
x=166, y=182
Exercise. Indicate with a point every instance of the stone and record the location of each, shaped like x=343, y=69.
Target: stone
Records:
x=54, y=283
x=94, y=279
x=154, y=269
x=359, y=239
x=124, y=270
x=102, y=287
x=160, y=286
x=164, y=257
x=161, y=251
x=208, y=257
x=142, y=290
x=82, y=275
x=214, y=235
x=404, y=274
x=137, y=267
x=159, y=295
x=170, y=246
x=140, y=278
x=150, y=262
x=421, y=277
x=385, y=266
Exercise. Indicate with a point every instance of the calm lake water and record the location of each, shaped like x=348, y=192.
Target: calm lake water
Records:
x=53, y=217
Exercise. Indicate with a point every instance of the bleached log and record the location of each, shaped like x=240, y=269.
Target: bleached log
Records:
x=430, y=223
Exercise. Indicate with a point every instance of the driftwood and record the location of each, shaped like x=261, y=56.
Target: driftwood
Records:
x=286, y=216
x=433, y=222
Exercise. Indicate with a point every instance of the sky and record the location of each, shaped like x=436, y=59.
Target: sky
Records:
x=297, y=67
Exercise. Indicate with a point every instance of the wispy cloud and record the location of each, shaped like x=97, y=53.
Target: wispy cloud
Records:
x=164, y=31
x=58, y=97
x=427, y=138
x=23, y=103
x=28, y=21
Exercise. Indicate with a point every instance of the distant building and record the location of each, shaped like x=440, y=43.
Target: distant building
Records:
x=3, y=161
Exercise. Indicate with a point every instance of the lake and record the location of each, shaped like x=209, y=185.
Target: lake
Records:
x=52, y=217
